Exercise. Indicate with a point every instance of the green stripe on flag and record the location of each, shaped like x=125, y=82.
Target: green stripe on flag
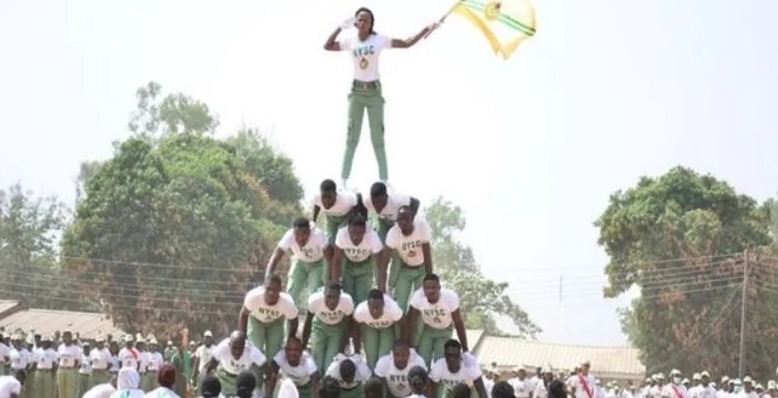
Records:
x=505, y=19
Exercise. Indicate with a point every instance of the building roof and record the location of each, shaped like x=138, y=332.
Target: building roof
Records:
x=513, y=352
x=46, y=322
x=7, y=305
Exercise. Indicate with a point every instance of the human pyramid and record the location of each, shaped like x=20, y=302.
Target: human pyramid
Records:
x=372, y=288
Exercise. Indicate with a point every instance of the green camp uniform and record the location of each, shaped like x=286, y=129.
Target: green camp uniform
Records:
x=300, y=375
x=338, y=214
x=183, y=364
x=84, y=376
x=378, y=335
x=67, y=372
x=363, y=373
x=358, y=262
x=365, y=95
x=267, y=323
x=307, y=263
x=43, y=383
x=329, y=327
x=410, y=274
x=437, y=323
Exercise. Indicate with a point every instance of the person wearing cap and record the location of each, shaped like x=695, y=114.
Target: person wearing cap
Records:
x=170, y=351
x=101, y=360
x=154, y=364
x=659, y=385
x=583, y=384
x=85, y=369
x=116, y=363
x=674, y=389
x=69, y=361
x=202, y=357
x=772, y=390
x=748, y=389
x=129, y=356
x=233, y=356
x=705, y=389
x=44, y=365
x=143, y=362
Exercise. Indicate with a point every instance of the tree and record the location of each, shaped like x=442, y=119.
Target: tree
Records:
x=175, y=113
x=28, y=232
x=481, y=298
x=681, y=238
x=173, y=230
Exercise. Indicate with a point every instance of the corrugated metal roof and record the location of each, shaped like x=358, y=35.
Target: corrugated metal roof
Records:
x=512, y=352
x=46, y=322
x=6, y=305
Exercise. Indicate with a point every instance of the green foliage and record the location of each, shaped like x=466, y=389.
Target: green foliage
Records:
x=28, y=232
x=173, y=230
x=680, y=238
x=482, y=299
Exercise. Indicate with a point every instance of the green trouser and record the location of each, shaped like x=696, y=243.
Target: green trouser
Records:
x=358, y=278
x=405, y=281
x=148, y=381
x=431, y=342
x=83, y=383
x=333, y=224
x=327, y=341
x=228, y=381
x=305, y=275
x=268, y=337
x=354, y=392
x=382, y=227
x=99, y=376
x=362, y=98
x=3, y=369
x=43, y=384
x=376, y=343
x=67, y=383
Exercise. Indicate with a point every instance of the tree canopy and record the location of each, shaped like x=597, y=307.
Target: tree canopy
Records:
x=177, y=225
x=481, y=299
x=682, y=239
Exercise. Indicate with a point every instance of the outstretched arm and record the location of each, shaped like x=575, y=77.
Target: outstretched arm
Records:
x=410, y=42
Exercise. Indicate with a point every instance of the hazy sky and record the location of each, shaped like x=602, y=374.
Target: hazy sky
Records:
x=531, y=148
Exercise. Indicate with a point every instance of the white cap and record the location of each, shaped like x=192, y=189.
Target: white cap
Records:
x=208, y=333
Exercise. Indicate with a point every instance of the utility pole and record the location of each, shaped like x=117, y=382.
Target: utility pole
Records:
x=741, y=366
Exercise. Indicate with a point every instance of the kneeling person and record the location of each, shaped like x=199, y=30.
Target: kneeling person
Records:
x=358, y=251
x=393, y=369
x=232, y=357
x=329, y=320
x=351, y=372
x=456, y=368
x=376, y=319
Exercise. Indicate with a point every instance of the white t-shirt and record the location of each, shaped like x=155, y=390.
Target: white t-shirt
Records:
x=312, y=251
x=393, y=204
x=581, y=387
x=392, y=314
x=155, y=361
x=162, y=392
x=266, y=313
x=129, y=357
x=101, y=359
x=362, y=374
x=397, y=379
x=19, y=358
x=438, y=315
x=344, y=202
x=85, y=366
x=300, y=374
x=371, y=244
x=468, y=372
x=410, y=247
x=45, y=359
x=205, y=354
x=522, y=388
x=365, y=55
x=317, y=305
x=100, y=391
x=68, y=355
x=251, y=355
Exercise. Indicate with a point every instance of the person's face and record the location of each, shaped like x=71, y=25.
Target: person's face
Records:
x=208, y=340
x=293, y=351
x=432, y=291
x=379, y=201
x=401, y=355
x=87, y=350
x=705, y=380
x=376, y=308
x=356, y=233
x=522, y=374
x=364, y=25
x=405, y=221
x=99, y=345
x=332, y=298
x=272, y=292
x=46, y=344
x=585, y=368
x=236, y=347
x=453, y=356
x=328, y=199
x=113, y=347
x=67, y=338
x=301, y=235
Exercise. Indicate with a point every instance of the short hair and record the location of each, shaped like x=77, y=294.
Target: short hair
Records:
x=328, y=186
x=329, y=388
x=210, y=387
x=378, y=189
x=166, y=376
x=502, y=389
x=274, y=278
x=347, y=368
x=245, y=384
x=294, y=338
x=418, y=372
x=301, y=222
x=400, y=344
x=375, y=294
x=460, y=390
x=373, y=388
x=432, y=277
x=556, y=389
x=452, y=343
x=358, y=220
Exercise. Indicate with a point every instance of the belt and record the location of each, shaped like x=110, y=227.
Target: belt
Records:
x=366, y=85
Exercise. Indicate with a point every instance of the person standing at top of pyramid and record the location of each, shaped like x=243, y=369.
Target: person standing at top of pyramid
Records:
x=365, y=49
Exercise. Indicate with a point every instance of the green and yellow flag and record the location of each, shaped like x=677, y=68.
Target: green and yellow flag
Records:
x=506, y=24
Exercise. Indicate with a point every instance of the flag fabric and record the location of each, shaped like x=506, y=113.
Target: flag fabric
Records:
x=505, y=24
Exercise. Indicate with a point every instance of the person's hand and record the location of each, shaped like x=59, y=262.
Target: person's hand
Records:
x=348, y=23
x=433, y=26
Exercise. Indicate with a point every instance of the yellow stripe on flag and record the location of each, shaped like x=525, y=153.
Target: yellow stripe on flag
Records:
x=505, y=24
